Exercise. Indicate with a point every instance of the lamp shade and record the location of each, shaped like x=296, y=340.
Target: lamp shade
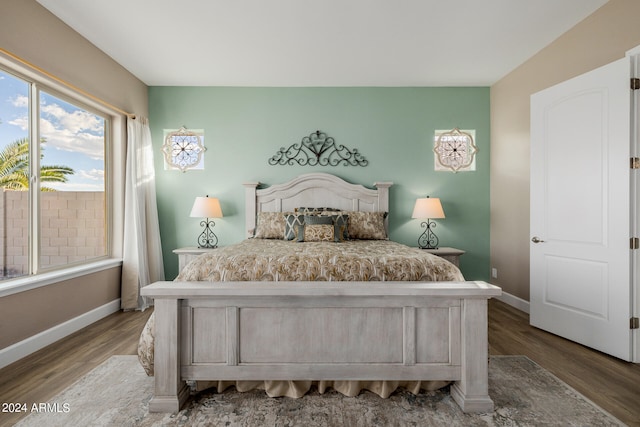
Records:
x=428, y=208
x=206, y=207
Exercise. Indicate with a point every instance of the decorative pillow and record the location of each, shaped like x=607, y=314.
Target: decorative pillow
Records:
x=317, y=219
x=367, y=225
x=291, y=222
x=270, y=225
x=341, y=220
x=316, y=233
x=339, y=224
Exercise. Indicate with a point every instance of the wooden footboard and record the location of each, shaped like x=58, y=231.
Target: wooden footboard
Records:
x=321, y=331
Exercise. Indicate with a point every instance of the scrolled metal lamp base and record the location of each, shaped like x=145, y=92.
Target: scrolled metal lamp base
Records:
x=428, y=239
x=207, y=238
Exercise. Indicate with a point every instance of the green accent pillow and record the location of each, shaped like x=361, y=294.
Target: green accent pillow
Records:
x=291, y=222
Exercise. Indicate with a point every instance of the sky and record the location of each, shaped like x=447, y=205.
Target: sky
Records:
x=74, y=136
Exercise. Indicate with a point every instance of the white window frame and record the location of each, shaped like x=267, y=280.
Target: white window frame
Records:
x=115, y=151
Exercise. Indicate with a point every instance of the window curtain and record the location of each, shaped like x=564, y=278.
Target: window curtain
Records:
x=142, y=253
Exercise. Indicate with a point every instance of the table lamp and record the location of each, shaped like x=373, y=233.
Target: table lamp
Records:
x=428, y=208
x=207, y=207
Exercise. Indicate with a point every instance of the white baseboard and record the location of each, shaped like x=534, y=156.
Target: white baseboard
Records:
x=514, y=302
x=36, y=342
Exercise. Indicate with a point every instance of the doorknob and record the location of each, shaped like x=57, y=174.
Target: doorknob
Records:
x=536, y=239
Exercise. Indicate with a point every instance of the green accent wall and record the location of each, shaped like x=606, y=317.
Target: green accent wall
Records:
x=393, y=128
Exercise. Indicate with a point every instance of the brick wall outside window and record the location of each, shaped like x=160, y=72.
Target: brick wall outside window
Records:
x=72, y=229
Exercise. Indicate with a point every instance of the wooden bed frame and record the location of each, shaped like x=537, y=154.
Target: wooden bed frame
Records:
x=320, y=330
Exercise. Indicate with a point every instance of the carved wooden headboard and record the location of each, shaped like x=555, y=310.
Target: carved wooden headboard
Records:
x=314, y=190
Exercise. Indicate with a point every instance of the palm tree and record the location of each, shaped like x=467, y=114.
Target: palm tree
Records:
x=14, y=168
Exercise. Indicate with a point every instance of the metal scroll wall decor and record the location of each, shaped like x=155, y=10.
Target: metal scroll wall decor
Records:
x=318, y=149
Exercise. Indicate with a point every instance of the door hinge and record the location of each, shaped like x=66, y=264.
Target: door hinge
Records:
x=634, y=243
x=635, y=83
x=634, y=162
x=634, y=323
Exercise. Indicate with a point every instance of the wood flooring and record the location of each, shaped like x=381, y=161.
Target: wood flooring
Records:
x=42, y=375
x=612, y=384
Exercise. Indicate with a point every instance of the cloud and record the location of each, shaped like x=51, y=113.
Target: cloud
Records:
x=20, y=101
x=77, y=120
x=83, y=121
x=92, y=175
x=72, y=140
x=21, y=122
x=75, y=131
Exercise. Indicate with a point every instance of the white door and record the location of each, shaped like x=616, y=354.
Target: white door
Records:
x=580, y=209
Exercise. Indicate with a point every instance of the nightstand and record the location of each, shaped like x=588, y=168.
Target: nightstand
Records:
x=450, y=254
x=185, y=255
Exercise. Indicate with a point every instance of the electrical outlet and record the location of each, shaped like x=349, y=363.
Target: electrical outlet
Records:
x=494, y=273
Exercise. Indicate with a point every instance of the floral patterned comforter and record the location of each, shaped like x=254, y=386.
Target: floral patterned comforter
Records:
x=281, y=260
x=355, y=260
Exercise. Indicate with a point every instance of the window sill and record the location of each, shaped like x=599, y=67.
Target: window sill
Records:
x=27, y=283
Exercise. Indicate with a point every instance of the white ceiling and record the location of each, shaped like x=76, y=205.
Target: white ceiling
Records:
x=321, y=42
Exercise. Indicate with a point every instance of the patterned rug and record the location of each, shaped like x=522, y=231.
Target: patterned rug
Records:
x=117, y=393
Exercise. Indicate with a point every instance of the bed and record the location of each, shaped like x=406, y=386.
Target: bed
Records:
x=306, y=301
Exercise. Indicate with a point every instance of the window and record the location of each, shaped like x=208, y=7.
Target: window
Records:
x=53, y=202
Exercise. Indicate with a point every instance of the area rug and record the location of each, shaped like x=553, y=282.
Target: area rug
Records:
x=117, y=393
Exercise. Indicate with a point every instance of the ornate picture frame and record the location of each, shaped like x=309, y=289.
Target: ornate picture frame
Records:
x=455, y=150
x=183, y=149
